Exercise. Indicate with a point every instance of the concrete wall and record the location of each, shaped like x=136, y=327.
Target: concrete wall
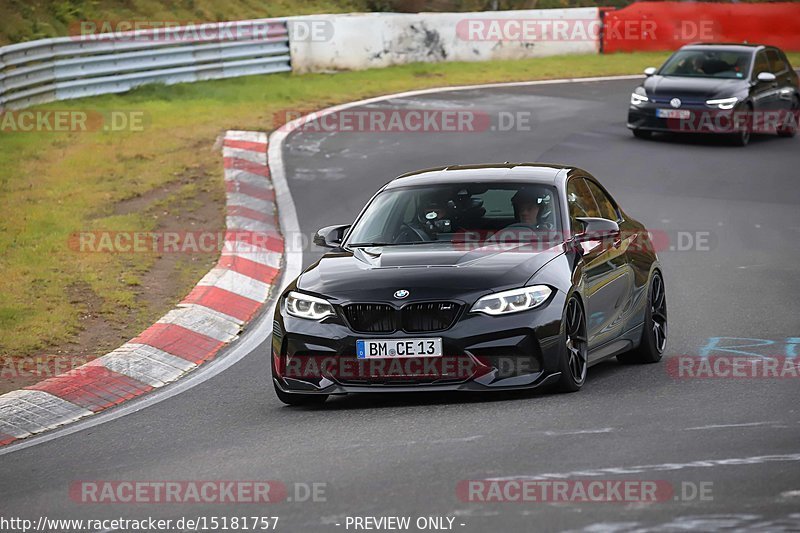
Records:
x=375, y=40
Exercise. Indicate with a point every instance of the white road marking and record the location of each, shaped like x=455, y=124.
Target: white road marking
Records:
x=558, y=433
x=664, y=467
x=743, y=425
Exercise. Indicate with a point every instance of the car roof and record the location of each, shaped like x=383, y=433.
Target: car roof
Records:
x=544, y=173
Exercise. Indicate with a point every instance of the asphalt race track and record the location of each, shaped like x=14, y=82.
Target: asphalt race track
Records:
x=403, y=455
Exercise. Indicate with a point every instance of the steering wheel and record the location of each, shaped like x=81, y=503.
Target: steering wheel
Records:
x=409, y=233
x=546, y=225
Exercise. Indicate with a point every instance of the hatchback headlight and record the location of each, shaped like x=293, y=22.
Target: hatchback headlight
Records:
x=639, y=96
x=723, y=103
x=513, y=301
x=305, y=306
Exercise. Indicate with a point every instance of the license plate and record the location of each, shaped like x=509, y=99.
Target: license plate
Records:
x=398, y=348
x=674, y=113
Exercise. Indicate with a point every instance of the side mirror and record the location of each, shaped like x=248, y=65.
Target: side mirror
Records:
x=766, y=76
x=597, y=228
x=649, y=71
x=330, y=236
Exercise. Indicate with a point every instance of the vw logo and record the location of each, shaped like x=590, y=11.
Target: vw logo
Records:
x=402, y=293
x=675, y=102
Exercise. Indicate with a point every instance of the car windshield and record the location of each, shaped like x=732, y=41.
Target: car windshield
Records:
x=708, y=64
x=462, y=212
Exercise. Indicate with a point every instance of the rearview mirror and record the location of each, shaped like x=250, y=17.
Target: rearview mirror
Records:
x=330, y=236
x=649, y=71
x=596, y=228
x=766, y=76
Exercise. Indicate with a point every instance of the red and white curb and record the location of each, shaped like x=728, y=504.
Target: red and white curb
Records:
x=212, y=314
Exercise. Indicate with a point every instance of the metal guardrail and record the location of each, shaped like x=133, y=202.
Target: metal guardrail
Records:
x=89, y=65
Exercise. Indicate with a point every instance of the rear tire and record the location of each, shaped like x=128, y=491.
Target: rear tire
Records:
x=574, y=362
x=654, y=331
x=642, y=134
x=300, y=399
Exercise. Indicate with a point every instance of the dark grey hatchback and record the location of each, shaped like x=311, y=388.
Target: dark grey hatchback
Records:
x=732, y=89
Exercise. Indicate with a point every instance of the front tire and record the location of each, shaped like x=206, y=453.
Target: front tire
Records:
x=642, y=134
x=654, y=331
x=576, y=348
x=791, y=129
x=300, y=399
x=742, y=137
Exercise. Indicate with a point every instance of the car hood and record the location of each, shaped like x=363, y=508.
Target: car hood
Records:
x=374, y=274
x=692, y=88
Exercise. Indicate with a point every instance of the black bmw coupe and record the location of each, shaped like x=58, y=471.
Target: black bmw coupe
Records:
x=734, y=90
x=473, y=278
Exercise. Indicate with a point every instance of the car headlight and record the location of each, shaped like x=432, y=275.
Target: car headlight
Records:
x=723, y=103
x=305, y=306
x=639, y=96
x=513, y=301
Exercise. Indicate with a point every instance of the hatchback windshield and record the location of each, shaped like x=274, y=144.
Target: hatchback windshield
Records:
x=510, y=212
x=708, y=64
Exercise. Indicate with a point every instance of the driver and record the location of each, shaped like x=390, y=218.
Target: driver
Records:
x=533, y=216
x=532, y=208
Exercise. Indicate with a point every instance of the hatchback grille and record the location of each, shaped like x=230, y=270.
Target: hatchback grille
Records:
x=413, y=318
x=429, y=316
x=371, y=318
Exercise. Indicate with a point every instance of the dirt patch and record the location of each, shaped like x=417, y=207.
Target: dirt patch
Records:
x=193, y=201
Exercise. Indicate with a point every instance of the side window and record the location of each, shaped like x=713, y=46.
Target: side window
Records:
x=776, y=66
x=786, y=61
x=580, y=202
x=762, y=64
x=604, y=203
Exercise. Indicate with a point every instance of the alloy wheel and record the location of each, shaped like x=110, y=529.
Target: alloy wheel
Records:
x=658, y=312
x=576, y=341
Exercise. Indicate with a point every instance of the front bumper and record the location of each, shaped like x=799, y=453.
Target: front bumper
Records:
x=701, y=119
x=480, y=353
